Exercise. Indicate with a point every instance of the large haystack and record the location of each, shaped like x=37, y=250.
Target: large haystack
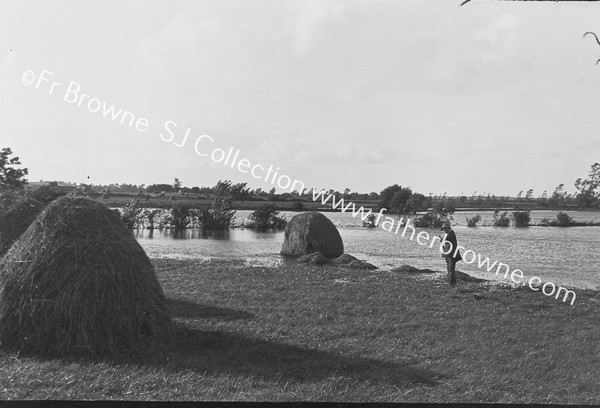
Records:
x=16, y=220
x=78, y=283
x=311, y=232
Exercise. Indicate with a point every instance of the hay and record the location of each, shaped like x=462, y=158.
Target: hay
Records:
x=361, y=265
x=411, y=269
x=16, y=220
x=316, y=258
x=344, y=259
x=311, y=232
x=78, y=283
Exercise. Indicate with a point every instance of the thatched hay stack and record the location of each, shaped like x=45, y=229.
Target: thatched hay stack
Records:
x=78, y=283
x=16, y=220
x=312, y=232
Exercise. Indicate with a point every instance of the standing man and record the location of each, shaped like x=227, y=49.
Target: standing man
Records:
x=450, y=252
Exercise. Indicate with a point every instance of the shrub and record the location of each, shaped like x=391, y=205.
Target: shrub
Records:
x=130, y=214
x=265, y=217
x=501, y=219
x=297, y=206
x=221, y=213
x=521, y=218
x=434, y=218
x=563, y=219
x=472, y=222
x=370, y=221
x=181, y=216
x=149, y=215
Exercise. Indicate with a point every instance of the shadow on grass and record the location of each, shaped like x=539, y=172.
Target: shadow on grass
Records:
x=192, y=310
x=219, y=353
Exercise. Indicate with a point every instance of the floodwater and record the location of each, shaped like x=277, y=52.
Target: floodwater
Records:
x=567, y=256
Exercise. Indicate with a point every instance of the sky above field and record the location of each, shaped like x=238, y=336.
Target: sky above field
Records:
x=490, y=97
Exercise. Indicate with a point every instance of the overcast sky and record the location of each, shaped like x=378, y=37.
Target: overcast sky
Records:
x=493, y=96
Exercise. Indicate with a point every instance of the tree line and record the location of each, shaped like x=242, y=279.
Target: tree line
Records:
x=395, y=198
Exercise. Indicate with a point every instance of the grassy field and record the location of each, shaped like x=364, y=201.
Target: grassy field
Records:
x=296, y=333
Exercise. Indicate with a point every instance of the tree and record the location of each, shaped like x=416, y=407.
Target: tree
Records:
x=265, y=217
x=529, y=194
x=10, y=177
x=221, y=213
x=177, y=184
x=557, y=197
x=159, y=188
x=395, y=198
x=587, y=189
x=417, y=202
x=240, y=192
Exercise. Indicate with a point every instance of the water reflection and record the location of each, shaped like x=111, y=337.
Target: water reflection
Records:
x=244, y=235
x=182, y=234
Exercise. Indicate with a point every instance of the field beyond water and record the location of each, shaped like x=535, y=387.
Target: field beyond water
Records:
x=307, y=333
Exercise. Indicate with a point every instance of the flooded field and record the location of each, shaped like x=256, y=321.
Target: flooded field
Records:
x=561, y=255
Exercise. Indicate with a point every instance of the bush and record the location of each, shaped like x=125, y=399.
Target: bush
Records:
x=563, y=220
x=432, y=219
x=472, y=222
x=435, y=217
x=501, y=219
x=521, y=218
x=220, y=215
x=370, y=221
x=149, y=215
x=265, y=217
x=130, y=214
x=297, y=206
x=181, y=216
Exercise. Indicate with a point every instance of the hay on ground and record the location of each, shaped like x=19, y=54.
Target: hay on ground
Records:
x=311, y=232
x=361, y=265
x=411, y=269
x=16, y=220
x=316, y=258
x=78, y=283
x=344, y=259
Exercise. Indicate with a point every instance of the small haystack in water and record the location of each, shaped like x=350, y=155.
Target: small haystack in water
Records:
x=77, y=282
x=311, y=232
x=16, y=220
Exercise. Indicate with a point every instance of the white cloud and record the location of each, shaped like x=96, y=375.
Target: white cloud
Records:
x=179, y=34
x=310, y=18
x=499, y=39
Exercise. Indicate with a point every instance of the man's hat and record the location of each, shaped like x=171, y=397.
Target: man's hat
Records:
x=446, y=225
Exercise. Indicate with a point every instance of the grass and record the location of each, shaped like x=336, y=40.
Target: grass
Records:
x=302, y=333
